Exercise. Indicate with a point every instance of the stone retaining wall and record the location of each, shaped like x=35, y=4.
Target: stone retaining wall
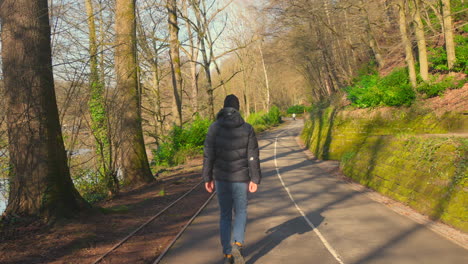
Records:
x=397, y=153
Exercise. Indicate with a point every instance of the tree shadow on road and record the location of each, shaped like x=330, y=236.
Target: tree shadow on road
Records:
x=276, y=235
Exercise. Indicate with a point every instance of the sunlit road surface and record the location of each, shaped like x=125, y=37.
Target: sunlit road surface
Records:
x=302, y=214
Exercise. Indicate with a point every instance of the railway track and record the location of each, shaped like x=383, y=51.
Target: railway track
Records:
x=125, y=247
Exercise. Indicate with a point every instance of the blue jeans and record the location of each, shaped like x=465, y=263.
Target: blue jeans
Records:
x=232, y=196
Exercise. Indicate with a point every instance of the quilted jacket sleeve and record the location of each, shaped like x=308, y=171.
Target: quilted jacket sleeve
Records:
x=254, y=158
x=209, y=153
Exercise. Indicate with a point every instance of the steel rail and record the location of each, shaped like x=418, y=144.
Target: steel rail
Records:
x=161, y=256
x=145, y=224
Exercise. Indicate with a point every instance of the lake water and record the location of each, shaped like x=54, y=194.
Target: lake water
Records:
x=3, y=182
x=3, y=192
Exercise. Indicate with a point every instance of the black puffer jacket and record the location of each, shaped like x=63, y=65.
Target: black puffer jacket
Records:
x=231, y=150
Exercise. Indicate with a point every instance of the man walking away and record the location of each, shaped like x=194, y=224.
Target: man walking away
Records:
x=231, y=164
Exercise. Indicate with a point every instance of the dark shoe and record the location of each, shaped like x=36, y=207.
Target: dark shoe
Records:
x=237, y=253
x=228, y=260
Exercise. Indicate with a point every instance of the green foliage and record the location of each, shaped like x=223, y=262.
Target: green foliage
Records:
x=461, y=51
x=4, y=167
x=434, y=88
x=298, y=109
x=438, y=57
x=465, y=28
x=347, y=156
x=182, y=143
x=368, y=69
x=391, y=90
x=262, y=121
x=99, y=128
x=162, y=156
x=458, y=8
x=90, y=185
x=191, y=135
x=185, y=142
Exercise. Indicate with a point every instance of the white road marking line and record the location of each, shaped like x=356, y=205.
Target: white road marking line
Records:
x=317, y=232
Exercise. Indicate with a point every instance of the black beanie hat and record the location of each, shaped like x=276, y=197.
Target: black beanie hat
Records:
x=231, y=101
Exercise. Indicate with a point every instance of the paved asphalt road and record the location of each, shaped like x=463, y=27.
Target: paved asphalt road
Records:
x=303, y=215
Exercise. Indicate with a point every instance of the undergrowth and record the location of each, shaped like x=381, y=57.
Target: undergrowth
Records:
x=371, y=90
x=263, y=120
x=186, y=142
x=90, y=185
x=298, y=109
x=435, y=87
x=182, y=143
x=437, y=56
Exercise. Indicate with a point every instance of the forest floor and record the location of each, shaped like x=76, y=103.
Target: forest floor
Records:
x=452, y=100
x=86, y=238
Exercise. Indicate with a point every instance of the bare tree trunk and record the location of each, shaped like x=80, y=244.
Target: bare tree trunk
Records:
x=331, y=75
x=206, y=61
x=40, y=182
x=133, y=158
x=350, y=42
x=175, y=60
x=370, y=37
x=97, y=109
x=421, y=40
x=407, y=43
x=436, y=11
x=193, y=60
x=209, y=88
x=267, y=85
x=102, y=35
x=336, y=54
x=194, y=76
x=245, y=89
x=157, y=98
x=327, y=12
x=448, y=31
x=218, y=71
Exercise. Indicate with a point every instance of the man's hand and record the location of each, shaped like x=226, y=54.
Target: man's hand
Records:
x=253, y=187
x=209, y=186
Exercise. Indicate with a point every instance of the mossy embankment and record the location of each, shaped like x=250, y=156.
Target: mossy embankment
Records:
x=416, y=157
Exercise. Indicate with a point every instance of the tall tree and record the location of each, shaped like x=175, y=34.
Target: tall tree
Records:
x=267, y=83
x=448, y=33
x=175, y=60
x=192, y=53
x=370, y=36
x=148, y=27
x=406, y=42
x=205, y=17
x=133, y=158
x=201, y=27
x=40, y=182
x=421, y=40
x=97, y=109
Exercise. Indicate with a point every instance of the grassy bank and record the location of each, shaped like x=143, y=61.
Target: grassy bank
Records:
x=262, y=121
x=400, y=153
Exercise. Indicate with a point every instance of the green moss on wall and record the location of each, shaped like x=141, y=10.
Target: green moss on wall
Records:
x=396, y=153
